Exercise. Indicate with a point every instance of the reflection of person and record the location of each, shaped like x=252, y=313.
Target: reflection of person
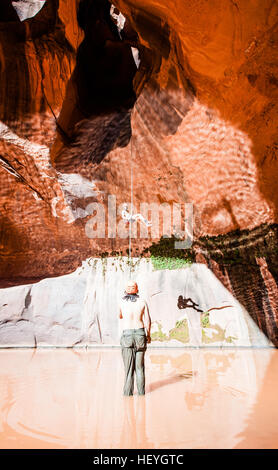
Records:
x=134, y=313
x=129, y=218
x=133, y=432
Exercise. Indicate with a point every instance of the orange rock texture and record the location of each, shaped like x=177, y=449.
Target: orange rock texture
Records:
x=200, y=104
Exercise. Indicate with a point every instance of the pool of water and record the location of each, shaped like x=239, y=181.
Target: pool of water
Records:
x=72, y=398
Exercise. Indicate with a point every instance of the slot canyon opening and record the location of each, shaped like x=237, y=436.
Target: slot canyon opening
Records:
x=112, y=69
x=102, y=87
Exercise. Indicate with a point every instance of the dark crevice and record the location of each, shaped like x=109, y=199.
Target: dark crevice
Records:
x=96, y=114
x=102, y=83
x=105, y=66
x=7, y=12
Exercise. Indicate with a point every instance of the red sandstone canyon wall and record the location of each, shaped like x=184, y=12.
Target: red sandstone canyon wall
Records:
x=201, y=107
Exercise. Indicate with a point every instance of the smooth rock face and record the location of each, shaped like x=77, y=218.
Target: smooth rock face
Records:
x=80, y=309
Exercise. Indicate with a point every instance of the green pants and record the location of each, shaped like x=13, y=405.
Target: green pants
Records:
x=134, y=345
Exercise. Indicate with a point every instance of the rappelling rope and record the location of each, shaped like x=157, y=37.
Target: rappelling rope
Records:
x=130, y=216
x=131, y=202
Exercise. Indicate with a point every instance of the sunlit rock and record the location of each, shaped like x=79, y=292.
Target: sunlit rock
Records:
x=80, y=309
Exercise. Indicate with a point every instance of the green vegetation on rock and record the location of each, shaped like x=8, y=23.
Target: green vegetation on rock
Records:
x=235, y=248
x=238, y=247
x=159, y=335
x=179, y=332
x=205, y=319
x=164, y=255
x=218, y=333
x=160, y=262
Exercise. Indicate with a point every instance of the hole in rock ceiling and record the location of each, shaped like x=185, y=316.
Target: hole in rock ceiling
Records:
x=27, y=8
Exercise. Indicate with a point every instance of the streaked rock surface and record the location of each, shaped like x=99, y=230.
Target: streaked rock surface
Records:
x=80, y=309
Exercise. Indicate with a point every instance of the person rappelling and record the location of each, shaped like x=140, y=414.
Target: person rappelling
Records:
x=129, y=217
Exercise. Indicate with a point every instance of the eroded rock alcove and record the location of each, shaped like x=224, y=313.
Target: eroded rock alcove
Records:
x=188, y=93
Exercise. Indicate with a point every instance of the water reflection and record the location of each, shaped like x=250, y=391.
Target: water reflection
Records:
x=194, y=398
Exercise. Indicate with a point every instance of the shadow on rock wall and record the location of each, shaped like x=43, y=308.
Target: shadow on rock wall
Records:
x=246, y=264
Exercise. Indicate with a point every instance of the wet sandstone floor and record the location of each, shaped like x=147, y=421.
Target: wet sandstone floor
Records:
x=196, y=398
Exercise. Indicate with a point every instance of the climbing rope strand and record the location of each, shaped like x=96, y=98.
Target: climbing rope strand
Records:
x=130, y=216
x=131, y=202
